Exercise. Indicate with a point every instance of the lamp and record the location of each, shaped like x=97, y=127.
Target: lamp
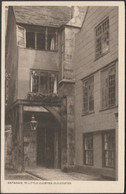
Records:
x=33, y=123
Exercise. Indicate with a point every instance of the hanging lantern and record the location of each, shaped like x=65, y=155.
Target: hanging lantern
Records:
x=33, y=123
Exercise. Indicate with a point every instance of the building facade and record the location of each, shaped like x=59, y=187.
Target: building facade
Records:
x=96, y=97
x=62, y=76
x=40, y=84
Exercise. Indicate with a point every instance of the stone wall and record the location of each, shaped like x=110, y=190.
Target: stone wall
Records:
x=29, y=148
x=67, y=126
x=66, y=53
x=8, y=146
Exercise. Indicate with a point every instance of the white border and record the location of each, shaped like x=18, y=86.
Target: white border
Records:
x=75, y=186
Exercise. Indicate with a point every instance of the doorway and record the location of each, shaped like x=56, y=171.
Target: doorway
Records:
x=49, y=145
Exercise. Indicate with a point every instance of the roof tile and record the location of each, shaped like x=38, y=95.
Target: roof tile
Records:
x=53, y=16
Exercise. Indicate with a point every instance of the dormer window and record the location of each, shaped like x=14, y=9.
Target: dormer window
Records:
x=38, y=38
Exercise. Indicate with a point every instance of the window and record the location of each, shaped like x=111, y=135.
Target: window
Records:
x=108, y=77
x=88, y=149
x=88, y=95
x=102, y=38
x=38, y=38
x=109, y=149
x=43, y=82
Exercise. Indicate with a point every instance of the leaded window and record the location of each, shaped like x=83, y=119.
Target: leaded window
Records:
x=88, y=149
x=43, y=82
x=108, y=78
x=102, y=38
x=88, y=95
x=109, y=149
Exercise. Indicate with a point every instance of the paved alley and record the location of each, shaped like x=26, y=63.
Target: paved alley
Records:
x=57, y=174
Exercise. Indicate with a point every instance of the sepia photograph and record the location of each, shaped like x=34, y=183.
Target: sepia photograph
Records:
x=61, y=100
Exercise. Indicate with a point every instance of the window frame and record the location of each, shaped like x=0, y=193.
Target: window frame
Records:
x=38, y=30
x=87, y=135
x=111, y=131
x=83, y=81
x=114, y=63
x=102, y=36
x=39, y=72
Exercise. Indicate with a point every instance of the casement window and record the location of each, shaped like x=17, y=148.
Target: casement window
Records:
x=108, y=84
x=88, y=149
x=40, y=39
x=102, y=38
x=21, y=36
x=43, y=82
x=109, y=149
x=88, y=95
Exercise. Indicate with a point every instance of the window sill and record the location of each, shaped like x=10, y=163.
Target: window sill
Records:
x=88, y=113
x=108, y=108
x=102, y=55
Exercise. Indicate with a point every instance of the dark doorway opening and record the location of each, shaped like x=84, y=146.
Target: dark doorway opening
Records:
x=45, y=147
x=48, y=145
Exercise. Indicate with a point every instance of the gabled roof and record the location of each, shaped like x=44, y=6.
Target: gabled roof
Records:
x=53, y=16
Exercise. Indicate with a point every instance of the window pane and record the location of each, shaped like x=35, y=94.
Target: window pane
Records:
x=111, y=90
x=52, y=39
x=35, y=81
x=41, y=41
x=88, y=95
x=109, y=87
x=98, y=47
x=88, y=149
x=30, y=39
x=44, y=83
x=109, y=147
x=105, y=42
